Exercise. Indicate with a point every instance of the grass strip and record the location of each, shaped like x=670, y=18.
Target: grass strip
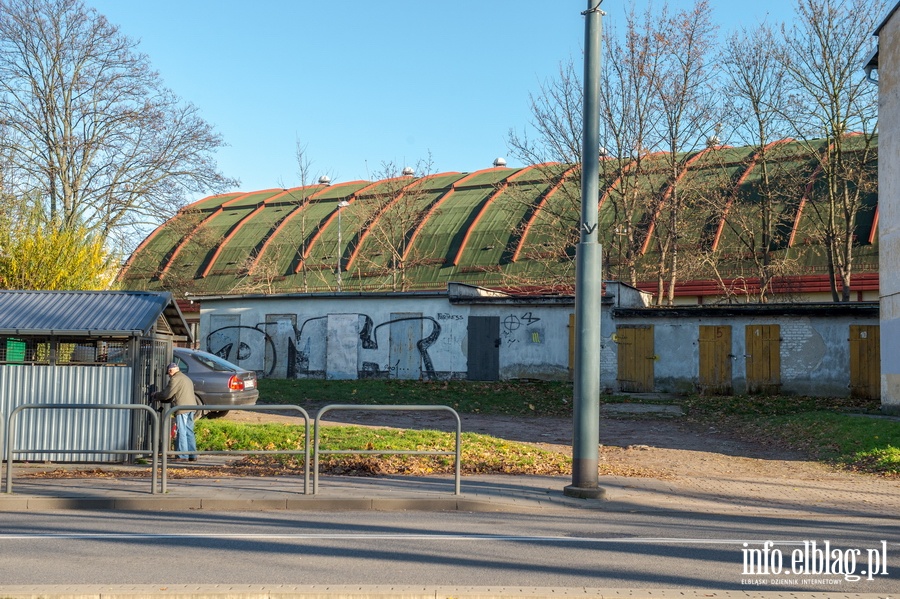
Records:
x=481, y=454
x=843, y=431
x=523, y=398
x=859, y=442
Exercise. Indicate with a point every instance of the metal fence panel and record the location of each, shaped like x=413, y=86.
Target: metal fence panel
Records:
x=68, y=429
x=167, y=438
x=380, y=408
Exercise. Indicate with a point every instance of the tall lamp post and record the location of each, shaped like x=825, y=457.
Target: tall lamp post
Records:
x=341, y=204
x=585, y=462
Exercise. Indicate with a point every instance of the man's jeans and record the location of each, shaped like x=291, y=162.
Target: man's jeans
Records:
x=185, y=443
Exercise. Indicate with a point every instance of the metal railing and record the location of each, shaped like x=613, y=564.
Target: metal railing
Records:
x=11, y=450
x=224, y=408
x=7, y=436
x=413, y=408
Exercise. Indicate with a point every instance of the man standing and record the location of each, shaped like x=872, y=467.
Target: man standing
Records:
x=180, y=392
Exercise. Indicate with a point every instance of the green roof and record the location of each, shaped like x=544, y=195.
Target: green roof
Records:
x=500, y=227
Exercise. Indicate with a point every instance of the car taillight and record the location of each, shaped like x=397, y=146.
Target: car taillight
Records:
x=235, y=384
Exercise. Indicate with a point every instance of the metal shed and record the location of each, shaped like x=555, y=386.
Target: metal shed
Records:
x=83, y=347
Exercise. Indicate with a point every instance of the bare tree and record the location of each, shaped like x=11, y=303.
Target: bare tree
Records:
x=557, y=119
x=281, y=255
x=540, y=206
x=835, y=116
x=656, y=95
x=743, y=239
x=627, y=120
x=662, y=120
x=88, y=124
x=384, y=222
x=755, y=92
x=630, y=116
x=545, y=222
x=688, y=119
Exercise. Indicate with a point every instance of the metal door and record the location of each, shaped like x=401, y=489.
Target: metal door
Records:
x=635, y=358
x=405, y=358
x=715, y=359
x=865, y=361
x=763, y=343
x=484, y=348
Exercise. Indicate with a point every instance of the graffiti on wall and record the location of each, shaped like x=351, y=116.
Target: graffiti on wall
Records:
x=369, y=340
x=284, y=349
x=515, y=324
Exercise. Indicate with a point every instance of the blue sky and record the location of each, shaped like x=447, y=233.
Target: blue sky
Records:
x=362, y=83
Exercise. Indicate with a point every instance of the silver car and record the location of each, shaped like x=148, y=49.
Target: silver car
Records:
x=217, y=381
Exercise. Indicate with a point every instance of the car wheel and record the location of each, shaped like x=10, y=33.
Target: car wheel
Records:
x=207, y=414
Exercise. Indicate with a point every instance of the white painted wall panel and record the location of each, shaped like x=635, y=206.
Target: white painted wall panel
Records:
x=342, y=347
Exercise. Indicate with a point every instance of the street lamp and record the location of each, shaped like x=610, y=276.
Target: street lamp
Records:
x=341, y=204
x=872, y=67
x=588, y=268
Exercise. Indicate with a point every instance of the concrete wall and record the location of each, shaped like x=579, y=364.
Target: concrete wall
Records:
x=889, y=208
x=346, y=337
x=814, y=351
x=427, y=336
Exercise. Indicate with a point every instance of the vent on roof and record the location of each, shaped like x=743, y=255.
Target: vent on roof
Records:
x=324, y=180
x=499, y=162
x=408, y=171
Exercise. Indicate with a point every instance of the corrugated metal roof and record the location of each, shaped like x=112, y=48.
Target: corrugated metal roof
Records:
x=80, y=312
x=500, y=227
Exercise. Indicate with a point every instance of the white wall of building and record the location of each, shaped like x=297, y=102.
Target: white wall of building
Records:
x=426, y=336
x=889, y=208
x=813, y=351
x=345, y=337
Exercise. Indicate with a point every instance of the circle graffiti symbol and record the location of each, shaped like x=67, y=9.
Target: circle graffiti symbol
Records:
x=511, y=323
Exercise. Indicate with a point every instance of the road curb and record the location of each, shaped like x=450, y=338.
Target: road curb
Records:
x=215, y=591
x=305, y=503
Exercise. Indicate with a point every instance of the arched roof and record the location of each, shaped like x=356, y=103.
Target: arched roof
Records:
x=496, y=227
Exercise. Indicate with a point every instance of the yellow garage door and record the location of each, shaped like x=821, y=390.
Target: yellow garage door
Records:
x=636, y=357
x=763, y=358
x=865, y=361
x=715, y=359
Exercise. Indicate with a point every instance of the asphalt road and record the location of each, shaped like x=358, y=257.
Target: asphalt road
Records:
x=564, y=549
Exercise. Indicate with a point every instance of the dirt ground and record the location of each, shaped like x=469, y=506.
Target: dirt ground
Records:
x=647, y=443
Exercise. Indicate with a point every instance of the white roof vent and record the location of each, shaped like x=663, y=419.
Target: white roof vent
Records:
x=499, y=162
x=408, y=171
x=324, y=180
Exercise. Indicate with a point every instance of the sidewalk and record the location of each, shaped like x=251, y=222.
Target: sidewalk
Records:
x=129, y=488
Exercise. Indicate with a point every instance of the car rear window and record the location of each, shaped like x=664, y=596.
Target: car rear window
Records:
x=215, y=363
